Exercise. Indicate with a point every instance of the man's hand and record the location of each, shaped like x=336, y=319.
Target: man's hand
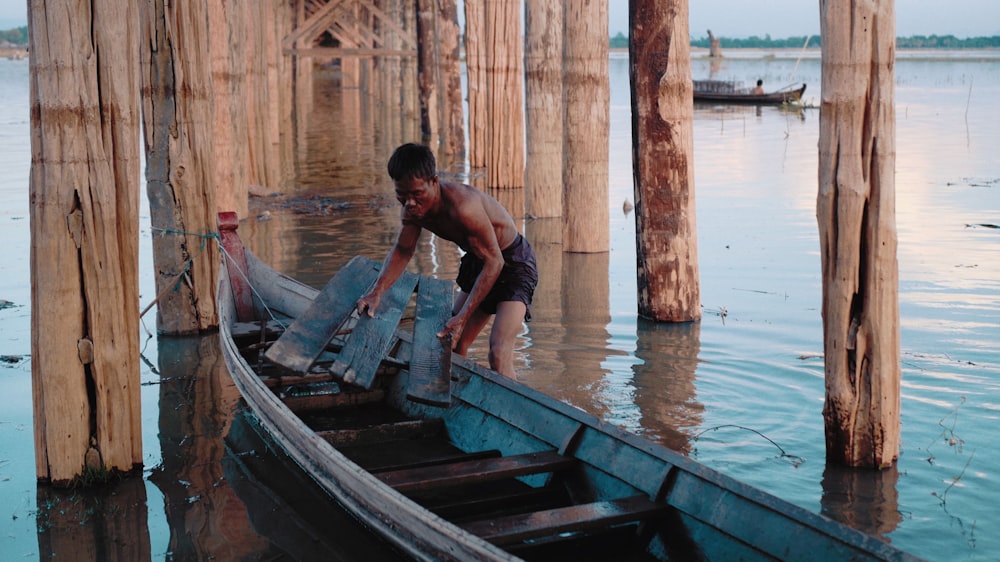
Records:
x=368, y=303
x=452, y=329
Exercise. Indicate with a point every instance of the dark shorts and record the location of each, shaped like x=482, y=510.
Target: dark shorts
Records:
x=517, y=278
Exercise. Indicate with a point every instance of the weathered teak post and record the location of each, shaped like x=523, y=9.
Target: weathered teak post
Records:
x=505, y=96
x=441, y=110
x=264, y=64
x=475, y=69
x=84, y=192
x=543, y=44
x=857, y=228
x=586, y=99
x=663, y=160
x=228, y=62
x=431, y=106
x=449, y=59
x=714, y=45
x=177, y=115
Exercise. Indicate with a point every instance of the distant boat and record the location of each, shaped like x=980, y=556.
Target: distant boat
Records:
x=724, y=91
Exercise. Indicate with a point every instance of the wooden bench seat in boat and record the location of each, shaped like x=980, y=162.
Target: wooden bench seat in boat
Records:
x=572, y=519
x=474, y=471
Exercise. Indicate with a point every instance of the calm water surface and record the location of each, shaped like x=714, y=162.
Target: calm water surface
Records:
x=741, y=391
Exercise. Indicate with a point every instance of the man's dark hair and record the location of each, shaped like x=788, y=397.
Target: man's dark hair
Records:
x=410, y=161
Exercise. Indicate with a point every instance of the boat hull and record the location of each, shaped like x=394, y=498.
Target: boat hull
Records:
x=773, y=98
x=688, y=511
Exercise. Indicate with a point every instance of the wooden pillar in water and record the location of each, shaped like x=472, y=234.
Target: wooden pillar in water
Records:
x=84, y=192
x=663, y=161
x=302, y=90
x=439, y=75
x=449, y=56
x=714, y=46
x=427, y=75
x=475, y=69
x=227, y=24
x=505, y=95
x=543, y=33
x=410, y=98
x=857, y=228
x=177, y=116
x=586, y=98
x=263, y=56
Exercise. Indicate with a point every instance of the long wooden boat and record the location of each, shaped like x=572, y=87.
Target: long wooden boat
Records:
x=745, y=96
x=498, y=471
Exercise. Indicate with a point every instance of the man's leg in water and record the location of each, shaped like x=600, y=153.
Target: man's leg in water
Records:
x=506, y=327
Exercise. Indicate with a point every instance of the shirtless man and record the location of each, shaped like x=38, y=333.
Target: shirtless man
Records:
x=498, y=272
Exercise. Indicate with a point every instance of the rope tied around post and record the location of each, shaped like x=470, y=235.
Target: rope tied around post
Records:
x=205, y=237
x=176, y=282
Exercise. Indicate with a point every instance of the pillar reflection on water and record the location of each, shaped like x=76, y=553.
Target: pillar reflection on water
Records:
x=866, y=500
x=567, y=347
x=197, y=400
x=567, y=338
x=664, y=380
x=97, y=523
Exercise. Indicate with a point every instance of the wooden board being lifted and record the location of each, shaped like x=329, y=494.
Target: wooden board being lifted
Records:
x=303, y=341
x=372, y=337
x=430, y=364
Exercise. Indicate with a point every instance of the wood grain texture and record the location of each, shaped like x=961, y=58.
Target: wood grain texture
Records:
x=857, y=227
x=663, y=161
x=84, y=192
x=430, y=362
x=306, y=337
x=586, y=122
x=543, y=44
x=372, y=337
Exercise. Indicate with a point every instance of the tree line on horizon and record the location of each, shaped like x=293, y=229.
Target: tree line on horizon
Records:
x=620, y=41
x=19, y=36
x=15, y=36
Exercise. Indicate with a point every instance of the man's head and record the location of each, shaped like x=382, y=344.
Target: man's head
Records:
x=412, y=161
x=414, y=178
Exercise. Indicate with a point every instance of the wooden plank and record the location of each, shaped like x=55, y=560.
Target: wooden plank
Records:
x=437, y=459
x=475, y=471
x=344, y=52
x=386, y=20
x=306, y=337
x=373, y=336
x=430, y=361
x=572, y=519
x=310, y=29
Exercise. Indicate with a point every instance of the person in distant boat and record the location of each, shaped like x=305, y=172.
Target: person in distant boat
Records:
x=759, y=90
x=497, y=274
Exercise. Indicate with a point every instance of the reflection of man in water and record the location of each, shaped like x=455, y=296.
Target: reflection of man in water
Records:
x=498, y=273
x=759, y=90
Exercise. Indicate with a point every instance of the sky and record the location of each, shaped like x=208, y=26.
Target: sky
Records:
x=778, y=18
x=796, y=18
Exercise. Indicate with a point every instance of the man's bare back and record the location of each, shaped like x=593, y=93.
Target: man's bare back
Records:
x=461, y=214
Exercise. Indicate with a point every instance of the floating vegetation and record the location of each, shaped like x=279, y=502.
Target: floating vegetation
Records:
x=11, y=359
